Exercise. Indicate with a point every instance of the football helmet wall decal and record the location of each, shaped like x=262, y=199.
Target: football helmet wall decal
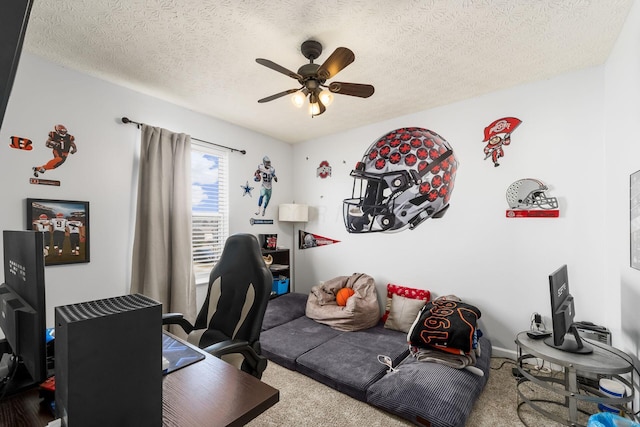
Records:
x=529, y=193
x=405, y=177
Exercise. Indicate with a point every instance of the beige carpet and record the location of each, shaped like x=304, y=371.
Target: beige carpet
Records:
x=306, y=402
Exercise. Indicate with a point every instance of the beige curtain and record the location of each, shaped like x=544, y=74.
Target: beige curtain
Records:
x=162, y=267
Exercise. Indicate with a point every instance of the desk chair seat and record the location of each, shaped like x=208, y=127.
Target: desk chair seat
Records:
x=230, y=319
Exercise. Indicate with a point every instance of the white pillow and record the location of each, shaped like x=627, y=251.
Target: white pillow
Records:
x=403, y=312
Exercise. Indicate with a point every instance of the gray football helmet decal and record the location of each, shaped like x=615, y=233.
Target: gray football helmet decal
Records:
x=530, y=193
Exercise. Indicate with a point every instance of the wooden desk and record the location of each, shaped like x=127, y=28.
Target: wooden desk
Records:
x=207, y=393
x=213, y=393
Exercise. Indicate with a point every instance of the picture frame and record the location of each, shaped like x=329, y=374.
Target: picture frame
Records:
x=634, y=220
x=66, y=227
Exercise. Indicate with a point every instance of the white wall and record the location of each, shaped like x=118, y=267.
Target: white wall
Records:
x=498, y=264
x=623, y=158
x=104, y=169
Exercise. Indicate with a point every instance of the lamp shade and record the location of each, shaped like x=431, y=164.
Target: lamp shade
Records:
x=292, y=212
x=298, y=99
x=326, y=97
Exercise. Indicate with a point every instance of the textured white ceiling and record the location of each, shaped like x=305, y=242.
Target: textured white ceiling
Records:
x=418, y=54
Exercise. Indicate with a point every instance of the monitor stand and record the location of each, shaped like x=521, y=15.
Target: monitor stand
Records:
x=572, y=343
x=19, y=378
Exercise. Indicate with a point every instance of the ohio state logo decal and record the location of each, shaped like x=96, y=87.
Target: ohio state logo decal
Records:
x=324, y=170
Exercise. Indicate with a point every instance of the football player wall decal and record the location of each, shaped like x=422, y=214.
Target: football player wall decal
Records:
x=267, y=174
x=62, y=144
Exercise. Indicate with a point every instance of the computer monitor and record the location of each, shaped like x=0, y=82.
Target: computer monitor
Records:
x=565, y=335
x=23, y=308
x=14, y=16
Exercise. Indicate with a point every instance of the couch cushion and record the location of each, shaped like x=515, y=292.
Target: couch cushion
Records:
x=285, y=343
x=349, y=362
x=284, y=308
x=432, y=394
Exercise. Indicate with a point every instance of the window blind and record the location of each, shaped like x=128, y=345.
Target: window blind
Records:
x=209, y=207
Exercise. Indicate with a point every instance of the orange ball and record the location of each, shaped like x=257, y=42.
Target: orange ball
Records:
x=343, y=295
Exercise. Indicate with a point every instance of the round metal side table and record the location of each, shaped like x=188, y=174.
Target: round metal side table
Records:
x=605, y=360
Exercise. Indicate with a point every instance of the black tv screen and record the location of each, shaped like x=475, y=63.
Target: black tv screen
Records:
x=14, y=15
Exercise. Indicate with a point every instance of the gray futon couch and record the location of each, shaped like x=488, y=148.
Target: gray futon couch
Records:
x=425, y=393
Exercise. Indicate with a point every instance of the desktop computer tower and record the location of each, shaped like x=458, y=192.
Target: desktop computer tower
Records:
x=108, y=365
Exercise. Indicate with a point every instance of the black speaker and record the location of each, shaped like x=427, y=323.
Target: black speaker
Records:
x=108, y=363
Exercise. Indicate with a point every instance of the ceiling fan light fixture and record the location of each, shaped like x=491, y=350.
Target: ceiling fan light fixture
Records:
x=313, y=77
x=314, y=109
x=315, y=105
x=326, y=97
x=298, y=99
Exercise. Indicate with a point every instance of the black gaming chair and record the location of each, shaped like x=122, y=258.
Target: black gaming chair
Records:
x=230, y=319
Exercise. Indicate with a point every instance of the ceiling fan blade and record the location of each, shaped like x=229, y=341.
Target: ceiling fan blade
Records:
x=277, y=95
x=278, y=68
x=352, y=89
x=339, y=59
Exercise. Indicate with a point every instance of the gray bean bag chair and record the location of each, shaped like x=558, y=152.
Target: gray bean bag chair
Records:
x=361, y=310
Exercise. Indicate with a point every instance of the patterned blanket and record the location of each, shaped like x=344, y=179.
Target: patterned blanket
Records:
x=446, y=324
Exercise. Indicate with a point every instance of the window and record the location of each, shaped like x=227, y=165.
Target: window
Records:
x=209, y=207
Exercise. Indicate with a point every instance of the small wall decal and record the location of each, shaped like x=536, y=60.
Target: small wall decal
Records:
x=256, y=221
x=246, y=189
x=310, y=240
x=21, y=143
x=40, y=181
x=498, y=135
x=62, y=143
x=265, y=173
x=324, y=170
x=527, y=198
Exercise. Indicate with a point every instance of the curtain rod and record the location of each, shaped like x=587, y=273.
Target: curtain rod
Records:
x=128, y=120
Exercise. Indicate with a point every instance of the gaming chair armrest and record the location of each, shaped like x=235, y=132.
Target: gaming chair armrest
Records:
x=228, y=347
x=177, y=319
x=256, y=362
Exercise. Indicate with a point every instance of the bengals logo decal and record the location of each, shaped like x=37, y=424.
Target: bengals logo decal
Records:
x=20, y=143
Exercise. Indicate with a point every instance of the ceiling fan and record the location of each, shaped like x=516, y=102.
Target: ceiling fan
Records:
x=313, y=77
